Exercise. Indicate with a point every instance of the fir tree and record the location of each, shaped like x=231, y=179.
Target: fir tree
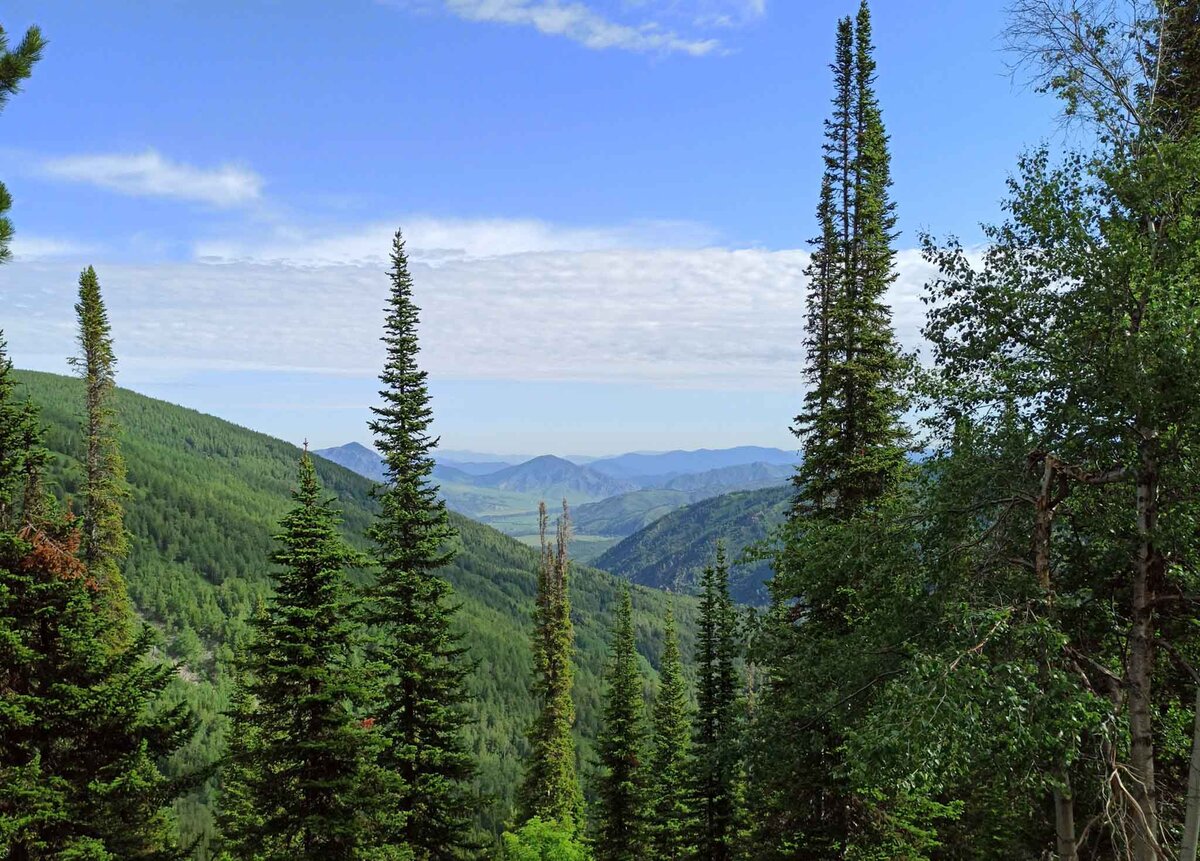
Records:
x=15, y=66
x=550, y=790
x=716, y=754
x=669, y=804
x=621, y=784
x=421, y=715
x=299, y=744
x=105, y=543
x=83, y=723
x=854, y=445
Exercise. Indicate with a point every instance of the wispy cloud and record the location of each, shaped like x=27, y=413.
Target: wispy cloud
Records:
x=706, y=317
x=149, y=174
x=439, y=240
x=25, y=247
x=582, y=23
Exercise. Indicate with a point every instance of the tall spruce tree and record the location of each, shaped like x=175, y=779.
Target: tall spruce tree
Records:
x=421, y=715
x=105, y=542
x=15, y=66
x=716, y=748
x=83, y=722
x=621, y=783
x=853, y=442
x=550, y=790
x=300, y=747
x=854, y=448
x=670, y=811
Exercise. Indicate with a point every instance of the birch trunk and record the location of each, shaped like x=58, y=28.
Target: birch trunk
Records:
x=1141, y=663
x=1191, y=821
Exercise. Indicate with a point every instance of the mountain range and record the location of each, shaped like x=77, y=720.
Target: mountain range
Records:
x=611, y=497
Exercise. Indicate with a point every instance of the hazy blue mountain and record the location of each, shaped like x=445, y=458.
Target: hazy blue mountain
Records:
x=672, y=551
x=446, y=473
x=643, y=467
x=460, y=456
x=355, y=457
x=474, y=467
x=726, y=479
x=554, y=476
x=625, y=514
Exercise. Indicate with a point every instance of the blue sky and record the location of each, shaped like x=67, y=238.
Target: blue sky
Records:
x=607, y=201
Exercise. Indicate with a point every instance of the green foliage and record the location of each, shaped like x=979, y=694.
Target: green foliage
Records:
x=15, y=66
x=672, y=552
x=421, y=713
x=670, y=812
x=854, y=444
x=295, y=773
x=105, y=542
x=550, y=788
x=84, y=720
x=206, y=498
x=621, y=783
x=542, y=840
x=716, y=766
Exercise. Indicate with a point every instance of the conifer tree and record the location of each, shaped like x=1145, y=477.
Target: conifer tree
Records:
x=669, y=804
x=15, y=66
x=854, y=444
x=716, y=749
x=421, y=715
x=105, y=542
x=83, y=723
x=550, y=790
x=621, y=784
x=299, y=745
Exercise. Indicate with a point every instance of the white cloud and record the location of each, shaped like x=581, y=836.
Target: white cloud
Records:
x=581, y=23
x=149, y=174
x=25, y=247
x=711, y=318
x=440, y=240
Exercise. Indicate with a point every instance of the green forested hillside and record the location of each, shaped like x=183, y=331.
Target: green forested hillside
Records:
x=206, y=495
x=672, y=551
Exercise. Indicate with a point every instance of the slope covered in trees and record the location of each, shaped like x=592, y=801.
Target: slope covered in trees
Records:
x=671, y=552
x=206, y=498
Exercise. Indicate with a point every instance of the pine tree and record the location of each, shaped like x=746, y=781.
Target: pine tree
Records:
x=15, y=66
x=83, y=723
x=621, y=784
x=716, y=748
x=818, y=422
x=854, y=444
x=299, y=743
x=421, y=715
x=550, y=790
x=105, y=542
x=669, y=802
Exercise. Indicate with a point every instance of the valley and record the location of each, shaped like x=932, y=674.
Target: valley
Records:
x=611, y=498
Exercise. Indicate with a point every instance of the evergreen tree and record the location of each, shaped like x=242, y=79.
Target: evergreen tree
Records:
x=550, y=790
x=15, y=66
x=716, y=748
x=669, y=806
x=854, y=449
x=424, y=667
x=83, y=723
x=854, y=444
x=621, y=784
x=299, y=743
x=105, y=543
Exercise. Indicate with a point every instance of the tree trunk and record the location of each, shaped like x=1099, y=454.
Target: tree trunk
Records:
x=1141, y=663
x=1064, y=818
x=1191, y=822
